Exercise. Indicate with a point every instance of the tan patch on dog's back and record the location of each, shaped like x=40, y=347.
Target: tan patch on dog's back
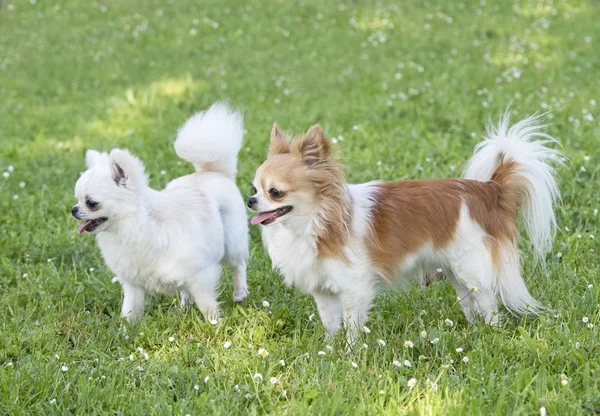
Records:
x=410, y=214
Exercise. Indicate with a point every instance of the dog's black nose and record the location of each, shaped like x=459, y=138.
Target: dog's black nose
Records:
x=251, y=201
x=75, y=211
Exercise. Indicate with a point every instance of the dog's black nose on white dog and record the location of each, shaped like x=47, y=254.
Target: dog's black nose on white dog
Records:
x=251, y=201
x=75, y=211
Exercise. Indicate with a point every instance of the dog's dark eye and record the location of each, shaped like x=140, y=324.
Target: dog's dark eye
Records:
x=253, y=190
x=91, y=204
x=275, y=193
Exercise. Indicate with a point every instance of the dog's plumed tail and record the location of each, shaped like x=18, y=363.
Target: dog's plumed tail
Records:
x=212, y=139
x=518, y=159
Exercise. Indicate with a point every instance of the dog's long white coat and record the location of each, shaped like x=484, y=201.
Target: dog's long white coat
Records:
x=174, y=239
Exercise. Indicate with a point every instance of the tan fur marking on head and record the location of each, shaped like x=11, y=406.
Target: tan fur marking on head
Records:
x=326, y=174
x=282, y=169
x=279, y=142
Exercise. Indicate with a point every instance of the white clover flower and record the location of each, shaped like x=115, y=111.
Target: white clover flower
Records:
x=196, y=387
x=354, y=364
x=585, y=319
x=321, y=353
x=408, y=344
x=248, y=396
x=213, y=321
x=236, y=387
x=273, y=380
x=171, y=339
x=449, y=322
x=365, y=346
x=459, y=349
x=258, y=377
x=590, y=286
x=366, y=329
x=423, y=334
x=145, y=356
x=265, y=304
x=64, y=368
x=329, y=347
x=563, y=376
x=542, y=411
x=465, y=359
x=590, y=325
x=262, y=352
x=407, y=363
x=412, y=383
x=206, y=379
x=227, y=344
x=5, y=175
x=282, y=363
x=434, y=341
x=381, y=342
x=397, y=363
x=564, y=383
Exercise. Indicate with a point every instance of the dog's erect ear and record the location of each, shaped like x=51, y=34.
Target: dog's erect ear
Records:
x=313, y=147
x=280, y=142
x=94, y=158
x=127, y=170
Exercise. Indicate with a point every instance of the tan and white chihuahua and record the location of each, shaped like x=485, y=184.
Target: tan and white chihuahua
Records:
x=342, y=243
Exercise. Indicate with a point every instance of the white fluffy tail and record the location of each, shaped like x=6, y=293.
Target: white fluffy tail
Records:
x=532, y=170
x=212, y=139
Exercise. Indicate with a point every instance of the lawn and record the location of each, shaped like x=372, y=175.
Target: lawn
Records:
x=405, y=87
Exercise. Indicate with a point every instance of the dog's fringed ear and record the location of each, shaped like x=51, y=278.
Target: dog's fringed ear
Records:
x=280, y=142
x=94, y=158
x=313, y=147
x=127, y=170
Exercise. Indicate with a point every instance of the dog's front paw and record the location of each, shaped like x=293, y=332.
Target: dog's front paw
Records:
x=240, y=294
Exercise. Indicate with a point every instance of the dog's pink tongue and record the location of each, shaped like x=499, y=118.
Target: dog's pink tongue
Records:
x=83, y=227
x=262, y=217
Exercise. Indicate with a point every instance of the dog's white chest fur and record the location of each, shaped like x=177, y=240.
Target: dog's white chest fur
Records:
x=293, y=250
x=294, y=255
x=138, y=262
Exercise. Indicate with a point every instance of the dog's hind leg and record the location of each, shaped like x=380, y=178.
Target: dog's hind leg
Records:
x=236, y=250
x=240, y=287
x=184, y=299
x=204, y=291
x=473, y=278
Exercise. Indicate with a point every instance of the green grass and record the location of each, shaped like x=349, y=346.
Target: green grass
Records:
x=408, y=85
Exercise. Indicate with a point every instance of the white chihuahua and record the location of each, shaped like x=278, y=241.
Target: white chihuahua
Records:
x=174, y=239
